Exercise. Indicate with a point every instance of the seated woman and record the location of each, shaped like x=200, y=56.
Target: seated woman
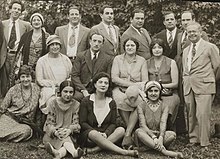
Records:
x=52, y=69
x=165, y=71
x=62, y=123
x=153, y=115
x=128, y=69
x=32, y=44
x=17, y=111
x=97, y=116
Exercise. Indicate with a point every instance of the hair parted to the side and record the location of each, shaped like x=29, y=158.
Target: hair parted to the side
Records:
x=159, y=42
x=67, y=83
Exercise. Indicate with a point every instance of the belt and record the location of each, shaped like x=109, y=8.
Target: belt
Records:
x=72, y=57
x=12, y=52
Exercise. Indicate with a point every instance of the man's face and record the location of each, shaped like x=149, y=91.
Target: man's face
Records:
x=107, y=16
x=96, y=42
x=194, y=33
x=169, y=21
x=138, y=20
x=15, y=11
x=186, y=18
x=74, y=16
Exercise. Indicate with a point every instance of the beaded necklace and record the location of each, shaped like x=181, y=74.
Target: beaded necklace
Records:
x=27, y=100
x=154, y=106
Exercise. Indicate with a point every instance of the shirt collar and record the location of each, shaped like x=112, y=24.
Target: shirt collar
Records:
x=172, y=31
x=197, y=44
x=134, y=60
x=70, y=26
x=139, y=31
x=92, y=54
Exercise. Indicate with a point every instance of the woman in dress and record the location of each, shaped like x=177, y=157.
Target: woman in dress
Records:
x=51, y=69
x=97, y=116
x=62, y=124
x=153, y=113
x=165, y=71
x=32, y=44
x=17, y=111
x=128, y=69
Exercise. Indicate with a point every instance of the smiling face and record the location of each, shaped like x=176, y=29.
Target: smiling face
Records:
x=138, y=20
x=67, y=93
x=15, y=11
x=153, y=94
x=102, y=85
x=25, y=80
x=107, y=16
x=130, y=47
x=194, y=33
x=157, y=50
x=54, y=48
x=169, y=21
x=36, y=22
x=74, y=16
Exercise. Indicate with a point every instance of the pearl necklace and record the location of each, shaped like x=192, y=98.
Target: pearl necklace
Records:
x=151, y=105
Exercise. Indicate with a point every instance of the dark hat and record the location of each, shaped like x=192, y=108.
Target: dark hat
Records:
x=25, y=70
x=217, y=130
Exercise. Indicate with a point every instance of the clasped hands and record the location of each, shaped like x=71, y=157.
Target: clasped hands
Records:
x=158, y=143
x=62, y=133
x=103, y=134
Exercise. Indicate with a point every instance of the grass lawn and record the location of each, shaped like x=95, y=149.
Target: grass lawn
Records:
x=26, y=151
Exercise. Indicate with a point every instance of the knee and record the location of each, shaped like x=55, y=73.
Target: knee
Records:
x=171, y=135
x=27, y=132
x=120, y=130
x=138, y=131
x=93, y=134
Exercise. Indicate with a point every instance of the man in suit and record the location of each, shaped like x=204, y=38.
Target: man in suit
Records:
x=74, y=36
x=88, y=64
x=13, y=29
x=200, y=64
x=169, y=35
x=137, y=31
x=109, y=31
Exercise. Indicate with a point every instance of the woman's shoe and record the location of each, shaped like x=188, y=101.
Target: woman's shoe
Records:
x=52, y=151
x=133, y=153
x=127, y=142
x=80, y=152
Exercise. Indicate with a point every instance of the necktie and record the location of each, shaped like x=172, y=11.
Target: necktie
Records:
x=170, y=40
x=184, y=41
x=13, y=37
x=193, y=51
x=72, y=39
x=111, y=35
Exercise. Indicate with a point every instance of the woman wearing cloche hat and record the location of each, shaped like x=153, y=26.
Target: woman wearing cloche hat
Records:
x=51, y=69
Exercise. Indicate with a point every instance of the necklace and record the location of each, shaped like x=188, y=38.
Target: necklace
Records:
x=153, y=105
x=24, y=95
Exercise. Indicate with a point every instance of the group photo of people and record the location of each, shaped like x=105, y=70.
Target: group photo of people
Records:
x=81, y=91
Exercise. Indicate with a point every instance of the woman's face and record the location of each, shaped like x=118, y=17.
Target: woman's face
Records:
x=67, y=93
x=36, y=22
x=102, y=85
x=153, y=94
x=25, y=80
x=130, y=47
x=54, y=48
x=157, y=50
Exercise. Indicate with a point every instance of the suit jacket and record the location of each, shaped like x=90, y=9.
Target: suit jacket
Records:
x=144, y=41
x=169, y=52
x=108, y=46
x=23, y=26
x=201, y=77
x=83, y=38
x=83, y=69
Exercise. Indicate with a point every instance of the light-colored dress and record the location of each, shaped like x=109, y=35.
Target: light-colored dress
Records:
x=61, y=115
x=17, y=104
x=133, y=71
x=50, y=73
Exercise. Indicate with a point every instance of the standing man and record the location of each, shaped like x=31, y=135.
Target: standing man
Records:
x=88, y=64
x=109, y=31
x=137, y=32
x=200, y=63
x=74, y=36
x=13, y=29
x=169, y=35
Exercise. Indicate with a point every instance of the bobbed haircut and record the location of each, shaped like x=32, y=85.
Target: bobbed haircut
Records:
x=67, y=83
x=159, y=42
x=132, y=39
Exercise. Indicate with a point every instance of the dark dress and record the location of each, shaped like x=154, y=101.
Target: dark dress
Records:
x=89, y=122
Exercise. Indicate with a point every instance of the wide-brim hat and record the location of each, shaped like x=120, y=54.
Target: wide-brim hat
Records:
x=217, y=130
x=53, y=39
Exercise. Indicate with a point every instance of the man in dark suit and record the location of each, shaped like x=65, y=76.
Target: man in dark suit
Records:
x=169, y=35
x=137, y=31
x=88, y=64
x=200, y=64
x=74, y=36
x=109, y=31
x=13, y=29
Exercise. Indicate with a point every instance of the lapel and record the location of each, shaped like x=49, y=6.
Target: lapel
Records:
x=81, y=33
x=88, y=60
x=138, y=37
x=6, y=30
x=104, y=32
x=164, y=36
x=22, y=28
x=185, y=59
x=99, y=63
x=200, y=50
x=65, y=34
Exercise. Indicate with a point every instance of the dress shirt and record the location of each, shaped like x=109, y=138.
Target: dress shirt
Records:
x=136, y=29
x=173, y=33
x=18, y=36
x=112, y=30
x=71, y=51
x=92, y=54
x=184, y=35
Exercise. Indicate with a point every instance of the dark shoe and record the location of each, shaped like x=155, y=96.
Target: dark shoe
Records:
x=80, y=152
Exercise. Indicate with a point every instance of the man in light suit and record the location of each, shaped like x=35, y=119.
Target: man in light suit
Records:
x=170, y=33
x=137, y=32
x=109, y=31
x=88, y=64
x=200, y=64
x=19, y=27
x=74, y=36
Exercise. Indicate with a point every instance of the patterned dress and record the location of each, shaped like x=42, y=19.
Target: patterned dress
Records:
x=61, y=115
x=17, y=104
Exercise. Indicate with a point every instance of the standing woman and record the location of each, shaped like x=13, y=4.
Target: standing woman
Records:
x=62, y=124
x=97, y=116
x=128, y=69
x=32, y=44
x=19, y=107
x=165, y=71
x=51, y=69
x=153, y=113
